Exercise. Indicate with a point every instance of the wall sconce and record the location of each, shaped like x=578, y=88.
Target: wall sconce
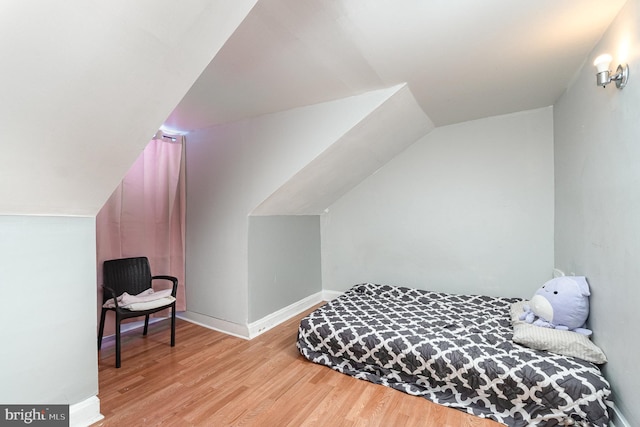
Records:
x=604, y=76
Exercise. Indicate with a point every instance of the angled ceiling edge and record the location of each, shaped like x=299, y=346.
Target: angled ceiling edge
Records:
x=90, y=85
x=382, y=134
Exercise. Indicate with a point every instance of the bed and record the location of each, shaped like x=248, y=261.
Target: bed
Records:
x=454, y=350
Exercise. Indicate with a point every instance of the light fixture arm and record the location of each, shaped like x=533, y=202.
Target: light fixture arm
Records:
x=621, y=77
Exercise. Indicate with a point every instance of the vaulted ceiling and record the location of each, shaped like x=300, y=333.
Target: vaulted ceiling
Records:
x=85, y=83
x=462, y=59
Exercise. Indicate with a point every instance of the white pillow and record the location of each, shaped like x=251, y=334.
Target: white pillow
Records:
x=147, y=305
x=567, y=343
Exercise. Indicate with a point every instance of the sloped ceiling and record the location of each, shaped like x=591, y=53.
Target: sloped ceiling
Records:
x=394, y=125
x=85, y=85
x=462, y=59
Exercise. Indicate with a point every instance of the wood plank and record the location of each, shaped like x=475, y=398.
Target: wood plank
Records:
x=211, y=379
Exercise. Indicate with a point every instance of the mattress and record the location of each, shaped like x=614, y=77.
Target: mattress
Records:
x=454, y=350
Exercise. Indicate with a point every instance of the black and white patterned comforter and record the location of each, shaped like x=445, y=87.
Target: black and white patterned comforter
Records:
x=455, y=350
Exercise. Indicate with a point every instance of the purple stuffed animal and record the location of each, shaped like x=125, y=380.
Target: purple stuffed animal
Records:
x=561, y=303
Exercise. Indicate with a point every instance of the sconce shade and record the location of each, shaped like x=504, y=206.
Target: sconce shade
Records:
x=604, y=77
x=602, y=62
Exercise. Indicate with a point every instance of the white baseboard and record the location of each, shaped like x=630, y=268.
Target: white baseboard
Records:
x=258, y=327
x=274, y=319
x=85, y=413
x=229, y=328
x=329, y=295
x=618, y=419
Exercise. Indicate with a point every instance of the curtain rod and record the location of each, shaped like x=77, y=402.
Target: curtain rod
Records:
x=162, y=135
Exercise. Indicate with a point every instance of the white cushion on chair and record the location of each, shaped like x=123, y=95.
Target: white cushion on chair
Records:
x=147, y=305
x=145, y=300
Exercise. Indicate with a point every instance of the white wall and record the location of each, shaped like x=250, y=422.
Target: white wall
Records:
x=467, y=209
x=48, y=317
x=231, y=170
x=90, y=83
x=597, y=169
x=284, y=262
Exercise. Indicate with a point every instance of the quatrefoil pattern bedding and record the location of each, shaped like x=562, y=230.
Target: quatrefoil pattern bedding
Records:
x=455, y=350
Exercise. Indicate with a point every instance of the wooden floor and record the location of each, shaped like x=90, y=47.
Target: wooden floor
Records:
x=213, y=379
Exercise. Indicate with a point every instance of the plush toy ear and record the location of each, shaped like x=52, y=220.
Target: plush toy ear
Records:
x=582, y=285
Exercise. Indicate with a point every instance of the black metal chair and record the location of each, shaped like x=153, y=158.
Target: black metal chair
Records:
x=133, y=276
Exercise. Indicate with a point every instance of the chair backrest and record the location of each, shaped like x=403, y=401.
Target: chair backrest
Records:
x=130, y=275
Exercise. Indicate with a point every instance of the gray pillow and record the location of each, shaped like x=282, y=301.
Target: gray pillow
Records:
x=561, y=342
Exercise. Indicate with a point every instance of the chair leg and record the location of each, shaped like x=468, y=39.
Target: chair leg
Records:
x=146, y=325
x=117, y=341
x=173, y=325
x=101, y=330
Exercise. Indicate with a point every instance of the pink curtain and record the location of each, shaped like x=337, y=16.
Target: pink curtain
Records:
x=145, y=216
